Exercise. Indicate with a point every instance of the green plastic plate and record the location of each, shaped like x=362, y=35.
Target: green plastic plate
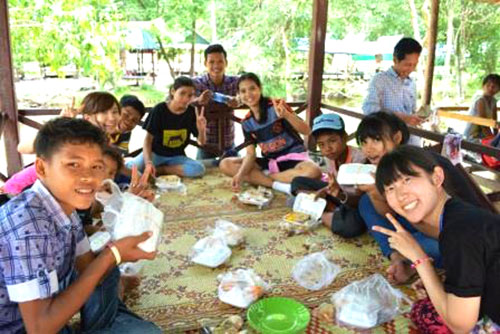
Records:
x=278, y=315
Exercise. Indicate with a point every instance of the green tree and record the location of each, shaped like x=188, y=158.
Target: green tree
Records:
x=56, y=33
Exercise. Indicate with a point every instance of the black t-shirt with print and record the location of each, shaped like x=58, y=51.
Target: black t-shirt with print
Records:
x=170, y=131
x=470, y=246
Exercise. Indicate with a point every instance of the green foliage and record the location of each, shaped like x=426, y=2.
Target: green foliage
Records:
x=56, y=33
x=260, y=35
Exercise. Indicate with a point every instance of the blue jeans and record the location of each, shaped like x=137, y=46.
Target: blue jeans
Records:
x=372, y=218
x=202, y=154
x=190, y=167
x=104, y=312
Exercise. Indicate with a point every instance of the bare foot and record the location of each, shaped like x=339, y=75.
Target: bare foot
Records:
x=326, y=219
x=399, y=272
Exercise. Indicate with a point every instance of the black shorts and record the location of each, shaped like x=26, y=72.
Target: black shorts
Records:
x=282, y=165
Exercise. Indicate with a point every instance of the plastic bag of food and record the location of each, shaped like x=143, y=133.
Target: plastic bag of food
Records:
x=230, y=232
x=314, y=271
x=241, y=287
x=126, y=214
x=367, y=303
x=211, y=251
x=170, y=183
x=260, y=197
x=306, y=214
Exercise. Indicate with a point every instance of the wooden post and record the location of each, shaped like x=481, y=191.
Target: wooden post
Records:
x=429, y=70
x=7, y=95
x=316, y=62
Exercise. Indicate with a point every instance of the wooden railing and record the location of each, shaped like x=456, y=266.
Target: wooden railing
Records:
x=24, y=117
x=451, y=112
x=436, y=137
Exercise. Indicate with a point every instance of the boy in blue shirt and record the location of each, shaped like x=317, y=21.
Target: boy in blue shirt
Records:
x=48, y=273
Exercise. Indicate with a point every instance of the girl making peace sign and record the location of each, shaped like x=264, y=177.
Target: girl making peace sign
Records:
x=274, y=127
x=169, y=126
x=469, y=241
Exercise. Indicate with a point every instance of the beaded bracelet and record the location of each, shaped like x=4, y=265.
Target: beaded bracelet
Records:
x=420, y=261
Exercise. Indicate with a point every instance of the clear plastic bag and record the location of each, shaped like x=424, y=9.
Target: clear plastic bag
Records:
x=211, y=251
x=452, y=147
x=126, y=214
x=315, y=272
x=230, y=232
x=367, y=303
x=170, y=183
x=241, y=287
x=260, y=197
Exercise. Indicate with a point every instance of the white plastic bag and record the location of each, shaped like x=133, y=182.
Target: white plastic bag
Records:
x=367, y=303
x=98, y=241
x=211, y=251
x=230, y=232
x=314, y=272
x=126, y=214
x=241, y=287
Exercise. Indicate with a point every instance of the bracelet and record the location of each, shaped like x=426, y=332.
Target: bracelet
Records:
x=420, y=261
x=116, y=253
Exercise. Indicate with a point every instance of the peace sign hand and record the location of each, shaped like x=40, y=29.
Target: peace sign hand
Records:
x=201, y=121
x=401, y=240
x=70, y=111
x=280, y=108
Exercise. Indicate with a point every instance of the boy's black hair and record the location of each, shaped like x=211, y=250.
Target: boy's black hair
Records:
x=115, y=155
x=62, y=130
x=405, y=47
x=264, y=101
x=134, y=102
x=179, y=82
x=401, y=161
x=321, y=132
x=183, y=81
x=215, y=48
x=381, y=124
x=97, y=102
x=494, y=78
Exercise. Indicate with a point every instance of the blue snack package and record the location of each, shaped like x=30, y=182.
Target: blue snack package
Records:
x=220, y=98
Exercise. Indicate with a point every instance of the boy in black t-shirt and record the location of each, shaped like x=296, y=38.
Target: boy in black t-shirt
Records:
x=169, y=126
x=469, y=241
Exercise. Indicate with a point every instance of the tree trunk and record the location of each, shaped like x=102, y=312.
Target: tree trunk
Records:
x=414, y=20
x=288, y=65
x=449, y=39
x=213, y=22
x=431, y=56
x=163, y=54
x=193, y=43
x=460, y=45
